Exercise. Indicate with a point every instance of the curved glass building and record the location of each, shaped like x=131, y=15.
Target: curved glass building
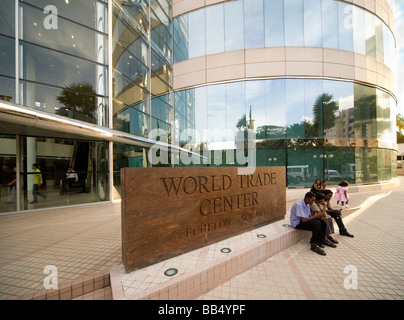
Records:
x=313, y=80
x=98, y=84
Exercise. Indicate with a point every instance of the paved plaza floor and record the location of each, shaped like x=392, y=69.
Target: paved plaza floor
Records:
x=82, y=241
x=368, y=266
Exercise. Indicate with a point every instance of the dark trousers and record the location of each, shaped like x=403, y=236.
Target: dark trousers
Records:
x=317, y=227
x=338, y=220
x=36, y=193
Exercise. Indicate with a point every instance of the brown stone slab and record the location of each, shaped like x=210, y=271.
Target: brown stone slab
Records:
x=170, y=211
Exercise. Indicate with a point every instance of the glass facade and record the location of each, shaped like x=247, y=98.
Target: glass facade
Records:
x=141, y=75
x=245, y=24
x=63, y=53
x=325, y=129
x=53, y=157
x=110, y=62
x=55, y=61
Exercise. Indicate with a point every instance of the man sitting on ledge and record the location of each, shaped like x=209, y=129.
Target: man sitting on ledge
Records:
x=301, y=218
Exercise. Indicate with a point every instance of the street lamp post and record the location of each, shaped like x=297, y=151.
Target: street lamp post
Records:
x=327, y=163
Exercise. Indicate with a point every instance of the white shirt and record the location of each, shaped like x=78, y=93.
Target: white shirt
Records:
x=71, y=174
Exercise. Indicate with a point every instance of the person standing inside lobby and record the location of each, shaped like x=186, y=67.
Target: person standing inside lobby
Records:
x=37, y=183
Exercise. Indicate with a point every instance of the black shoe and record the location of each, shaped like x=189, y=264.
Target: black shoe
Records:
x=33, y=202
x=346, y=233
x=333, y=240
x=330, y=244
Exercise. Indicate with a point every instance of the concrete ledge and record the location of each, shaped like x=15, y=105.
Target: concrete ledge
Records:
x=191, y=285
x=394, y=183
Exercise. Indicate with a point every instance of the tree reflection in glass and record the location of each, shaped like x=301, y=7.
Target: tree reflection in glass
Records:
x=79, y=100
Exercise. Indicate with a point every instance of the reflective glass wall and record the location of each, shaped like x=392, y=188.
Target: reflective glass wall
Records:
x=317, y=128
x=141, y=75
x=54, y=59
x=64, y=55
x=244, y=24
x=51, y=183
x=7, y=51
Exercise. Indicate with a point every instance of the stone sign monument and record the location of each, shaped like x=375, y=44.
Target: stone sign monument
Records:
x=169, y=211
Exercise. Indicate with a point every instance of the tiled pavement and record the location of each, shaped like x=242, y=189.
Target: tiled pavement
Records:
x=82, y=242
x=369, y=266
x=78, y=241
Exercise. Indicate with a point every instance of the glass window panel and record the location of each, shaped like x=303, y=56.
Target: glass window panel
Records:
x=8, y=178
x=7, y=56
x=181, y=45
x=165, y=127
x=393, y=119
x=365, y=112
x=294, y=23
x=161, y=10
x=381, y=165
x=132, y=121
x=128, y=91
x=341, y=95
x=7, y=89
x=196, y=33
x=7, y=15
x=255, y=104
x=160, y=109
x=233, y=25
x=270, y=156
x=201, y=112
x=90, y=13
x=302, y=167
x=275, y=124
x=158, y=86
x=315, y=103
x=358, y=21
x=68, y=37
x=92, y=172
x=77, y=101
x=370, y=35
x=136, y=13
x=216, y=102
x=389, y=48
x=379, y=39
x=214, y=29
x=274, y=23
x=161, y=67
x=51, y=67
x=126, y=156
x=125, y=38
x=131, y=68
x=312, y=23
x=254, y=24
x=235, y=106
x=345, y=20
x=295, y=108
x=383, y=117
x=161, y=36
x=330, y=23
